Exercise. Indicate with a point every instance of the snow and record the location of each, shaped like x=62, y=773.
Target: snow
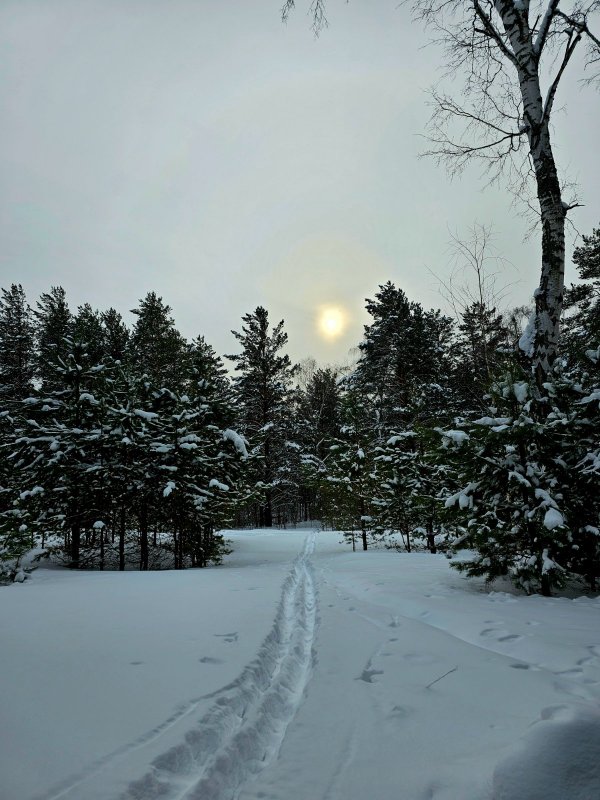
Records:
x=238, y=441
x=521, y=390
x=296, y=670
x=171, y=485
x=553, y=519
x=215, y=484
x=492, y=422
x=558, y=759
x=527, y=340
x=458, y=437
x=147, y=415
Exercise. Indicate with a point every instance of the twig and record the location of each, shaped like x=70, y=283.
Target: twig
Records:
x=429, y=685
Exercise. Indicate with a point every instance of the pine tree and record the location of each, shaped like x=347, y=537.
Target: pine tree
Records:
x=156, y=346
x=583, y=299
x=16, y=345
x=263, y=389
x=347, y=474
x=115, y=335
x=88, y=331
x=55, y=451
x=404, y=350
x=530, y=495
x=53, y=325
x=483, y=343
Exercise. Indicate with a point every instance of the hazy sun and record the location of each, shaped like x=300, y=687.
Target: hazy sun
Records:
x=332, y=321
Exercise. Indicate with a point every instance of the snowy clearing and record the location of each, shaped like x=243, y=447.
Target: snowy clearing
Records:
x=298, y=670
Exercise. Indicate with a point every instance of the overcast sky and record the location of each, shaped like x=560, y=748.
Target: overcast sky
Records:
x=204, y=150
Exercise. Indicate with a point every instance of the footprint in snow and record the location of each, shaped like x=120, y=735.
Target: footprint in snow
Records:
x=368, y=674
x=574, y=671
x=487, y=632
x=583, y=661
x=512, y=637
x=554, y=712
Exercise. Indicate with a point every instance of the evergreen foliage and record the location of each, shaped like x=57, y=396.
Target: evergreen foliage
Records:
x=16, y=344
x=263, y=391
x=104, y=465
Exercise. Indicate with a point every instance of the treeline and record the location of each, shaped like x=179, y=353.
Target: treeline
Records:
x=134, y=447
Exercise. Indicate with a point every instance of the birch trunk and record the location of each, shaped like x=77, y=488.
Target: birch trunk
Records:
x=549, y=294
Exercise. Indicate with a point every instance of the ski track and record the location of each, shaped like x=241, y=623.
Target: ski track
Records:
x=245, y=727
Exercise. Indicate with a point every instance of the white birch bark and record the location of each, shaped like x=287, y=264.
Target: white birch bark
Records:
x=549, y=294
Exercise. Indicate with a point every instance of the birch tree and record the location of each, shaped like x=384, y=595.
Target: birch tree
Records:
x=513, y=55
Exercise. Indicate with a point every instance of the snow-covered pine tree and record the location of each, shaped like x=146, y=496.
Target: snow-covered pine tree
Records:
x=347, y=478
x=263, y=391
x=411, y=481
x=55, y=454
x=316, y=425
x=528, y=496
x=198, y=461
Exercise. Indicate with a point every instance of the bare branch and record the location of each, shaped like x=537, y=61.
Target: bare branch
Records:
x=545, y=27
x=572, y=43
x=491, y=31
x=316, y=11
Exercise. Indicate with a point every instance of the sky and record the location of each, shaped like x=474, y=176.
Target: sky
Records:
x=210, y=153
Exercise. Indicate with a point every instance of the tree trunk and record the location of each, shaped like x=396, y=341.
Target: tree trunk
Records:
x=122, y=540
x=536, y=113
x=144, y=539
x=75, y=545
x=362, y=524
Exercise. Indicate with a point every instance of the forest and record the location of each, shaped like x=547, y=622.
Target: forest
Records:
x=134, y=448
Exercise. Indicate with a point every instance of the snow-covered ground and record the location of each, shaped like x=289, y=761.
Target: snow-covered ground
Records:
x=296, y=671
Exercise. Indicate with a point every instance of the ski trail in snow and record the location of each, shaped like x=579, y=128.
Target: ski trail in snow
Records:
x=245, y=727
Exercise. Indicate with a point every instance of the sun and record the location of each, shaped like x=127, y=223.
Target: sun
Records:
x=332, y=321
